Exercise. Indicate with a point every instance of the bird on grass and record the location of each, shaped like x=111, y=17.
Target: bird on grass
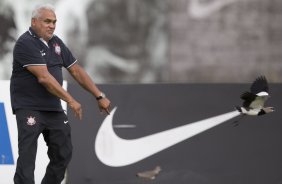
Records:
x=149, y=175
x=253, y=101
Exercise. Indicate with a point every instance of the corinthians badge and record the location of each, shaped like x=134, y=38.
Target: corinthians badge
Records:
x=31, y=121
x=57, y=48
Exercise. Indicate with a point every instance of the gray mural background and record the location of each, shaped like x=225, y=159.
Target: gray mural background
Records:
x=148, y=41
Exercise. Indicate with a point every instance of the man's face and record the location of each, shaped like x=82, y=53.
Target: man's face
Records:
x=44, y=25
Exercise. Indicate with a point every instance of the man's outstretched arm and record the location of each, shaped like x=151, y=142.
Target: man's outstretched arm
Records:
x=52, y=85
x=87, y=83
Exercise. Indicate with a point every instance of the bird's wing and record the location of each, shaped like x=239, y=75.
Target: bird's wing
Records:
x=151, y=174
x=146, y=174
x=259, y=85
x=248, y=98
x=258, y=103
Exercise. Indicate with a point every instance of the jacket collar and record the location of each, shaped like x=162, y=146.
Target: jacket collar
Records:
x=32, y=33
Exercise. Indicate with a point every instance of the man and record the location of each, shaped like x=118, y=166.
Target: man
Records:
x=36, y=90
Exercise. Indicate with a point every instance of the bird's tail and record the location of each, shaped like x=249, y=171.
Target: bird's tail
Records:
x=238, y=108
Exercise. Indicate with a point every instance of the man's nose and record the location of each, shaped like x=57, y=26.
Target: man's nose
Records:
x=52, y=25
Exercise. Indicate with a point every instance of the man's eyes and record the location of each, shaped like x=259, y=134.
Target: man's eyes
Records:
x=50, y=21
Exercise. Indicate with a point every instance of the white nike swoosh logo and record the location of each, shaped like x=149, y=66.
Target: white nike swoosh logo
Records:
x=66, y=122
x=201, y=10
x=116, y=152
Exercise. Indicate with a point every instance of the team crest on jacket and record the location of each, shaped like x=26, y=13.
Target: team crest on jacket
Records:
x=57, y=48
x=31, y=121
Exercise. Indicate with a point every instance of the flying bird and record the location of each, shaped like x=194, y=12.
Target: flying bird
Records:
x=149, y=175
x=253, y=101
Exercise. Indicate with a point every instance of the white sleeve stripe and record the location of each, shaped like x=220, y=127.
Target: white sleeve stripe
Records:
x=72, y=64
x=34, y=65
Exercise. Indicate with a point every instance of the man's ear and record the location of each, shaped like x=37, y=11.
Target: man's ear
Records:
x=33, y=22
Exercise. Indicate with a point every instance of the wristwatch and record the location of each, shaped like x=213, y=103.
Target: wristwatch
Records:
x=101, y=96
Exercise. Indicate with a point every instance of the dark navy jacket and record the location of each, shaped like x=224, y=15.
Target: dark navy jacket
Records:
x=26, y=92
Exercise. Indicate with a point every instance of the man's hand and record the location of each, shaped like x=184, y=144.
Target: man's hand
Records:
x=76, y=107
x=104, y=104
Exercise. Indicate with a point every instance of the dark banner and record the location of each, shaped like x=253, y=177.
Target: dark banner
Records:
x=185, y=129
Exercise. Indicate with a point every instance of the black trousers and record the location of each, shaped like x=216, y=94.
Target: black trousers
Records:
x=57, y=134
